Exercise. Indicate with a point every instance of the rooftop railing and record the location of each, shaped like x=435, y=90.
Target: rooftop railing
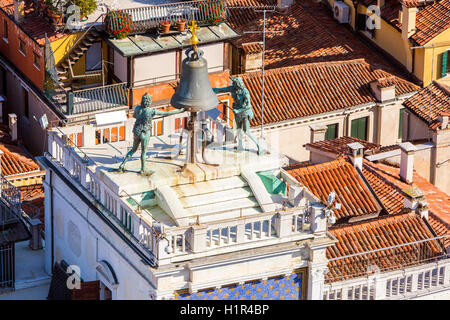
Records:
x=202, y=11
x=9, y=202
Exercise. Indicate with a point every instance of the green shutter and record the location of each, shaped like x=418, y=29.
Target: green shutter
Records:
x=359, y=128
x=400, y=124
x=331, y=132
x=444, y=64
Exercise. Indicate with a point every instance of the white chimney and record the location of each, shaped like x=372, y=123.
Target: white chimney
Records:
x=415, y=201
x=13, y=126
x=443, y=119
x=317, y=132
x=356, y=154
x=19, y=10
x=407, y=161
x=408, y=21
x=383, y=89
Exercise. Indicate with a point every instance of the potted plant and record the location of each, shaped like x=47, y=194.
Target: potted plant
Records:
x=164, y=26
x=86, y=7
x=181, y=24
x=118, y=24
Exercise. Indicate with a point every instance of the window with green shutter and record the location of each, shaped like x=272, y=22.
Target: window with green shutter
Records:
x=332, y=131
x=445, y=65
x=400, y=124
x=359, y=128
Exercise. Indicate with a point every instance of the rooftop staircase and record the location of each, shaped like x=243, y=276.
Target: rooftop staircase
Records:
x=64, y=66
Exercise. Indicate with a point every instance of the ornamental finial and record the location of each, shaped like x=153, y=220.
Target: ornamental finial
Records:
x=194, y=40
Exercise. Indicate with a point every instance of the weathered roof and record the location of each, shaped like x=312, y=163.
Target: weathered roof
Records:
x=14, y=161
x=341, y=177
x=438, y=201
x=380, y=233
x=149, y=43
x=33, y=23
x=432, y=18
x=441, y=227
x=315, y=88
x=436, y=96
x=339, y=145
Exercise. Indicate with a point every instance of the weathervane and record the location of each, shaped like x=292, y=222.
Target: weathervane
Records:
x=194, y=39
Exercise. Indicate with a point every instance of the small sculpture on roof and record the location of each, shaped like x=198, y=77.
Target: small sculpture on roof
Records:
x=142, y=128
x=242, y=110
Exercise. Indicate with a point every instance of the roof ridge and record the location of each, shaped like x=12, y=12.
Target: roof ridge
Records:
x=383, y=218
x=442, y=87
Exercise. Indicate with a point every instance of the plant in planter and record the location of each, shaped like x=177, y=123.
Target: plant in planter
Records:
x=181, y=24
x=56, y=15
x=86, y=7
x=164, y=26
x=118, y=24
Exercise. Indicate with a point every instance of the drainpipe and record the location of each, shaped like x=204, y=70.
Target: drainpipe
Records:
x=51, y=222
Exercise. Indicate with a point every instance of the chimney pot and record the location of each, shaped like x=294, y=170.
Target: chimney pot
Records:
x=317, y=132
x=415, y=201
x=407, y=161
x=408, y=21
x=443, y=119
x=383, y=89
x=356, y=154
x=13, y=126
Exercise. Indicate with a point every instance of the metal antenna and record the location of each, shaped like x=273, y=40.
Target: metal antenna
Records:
x=264, y=10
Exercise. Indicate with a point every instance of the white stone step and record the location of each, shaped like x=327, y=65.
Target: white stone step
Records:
x=232, y=205
x=212, y=198
x=211, y=186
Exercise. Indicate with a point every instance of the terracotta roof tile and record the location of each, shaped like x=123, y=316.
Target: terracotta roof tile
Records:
x=341, y=177
x=377, y=234
x=315, y=88
x=438, y=201
x=419, y=103
x=339, y=145
x=440, y=227
x=14, y=161
x=433, y=17
x=33, y=24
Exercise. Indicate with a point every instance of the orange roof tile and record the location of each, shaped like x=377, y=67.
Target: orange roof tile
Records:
x=315, y=88
x=380, y=233
x=438, y=201
x=33, y=24
x=420, y=103
x=339, y=145
x=433, y=17
x=14, y=161
x=440, y=227
x=341, y=177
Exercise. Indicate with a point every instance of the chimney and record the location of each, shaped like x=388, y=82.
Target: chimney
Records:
x=400, y=16
x=408, y=21
x=383, y=89
x=283, y=5
x=407, y=161
x=443, y=119
x=415, y=201
x=13, y=126
x=356, y=154
x=317, y=132
x=19, y=10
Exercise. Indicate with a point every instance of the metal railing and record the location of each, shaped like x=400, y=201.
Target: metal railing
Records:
x=96, y=99
x=386, y=259
x=204, y=12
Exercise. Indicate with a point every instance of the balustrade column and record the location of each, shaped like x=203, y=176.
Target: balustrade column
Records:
x=380, y=287
x=198, y=238
x=283, y=224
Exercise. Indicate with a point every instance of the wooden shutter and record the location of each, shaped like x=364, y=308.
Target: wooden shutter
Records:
x=331, y=132
x=359, y=128
x=177, y=123
x=444, y=64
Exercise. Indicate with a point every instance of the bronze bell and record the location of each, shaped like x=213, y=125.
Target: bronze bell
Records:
x=194, y=92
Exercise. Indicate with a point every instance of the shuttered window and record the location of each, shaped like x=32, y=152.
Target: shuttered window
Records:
x=445, y=65
x=332, y=131
x=359, y=128
x=157, y=127
x=400, y=124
